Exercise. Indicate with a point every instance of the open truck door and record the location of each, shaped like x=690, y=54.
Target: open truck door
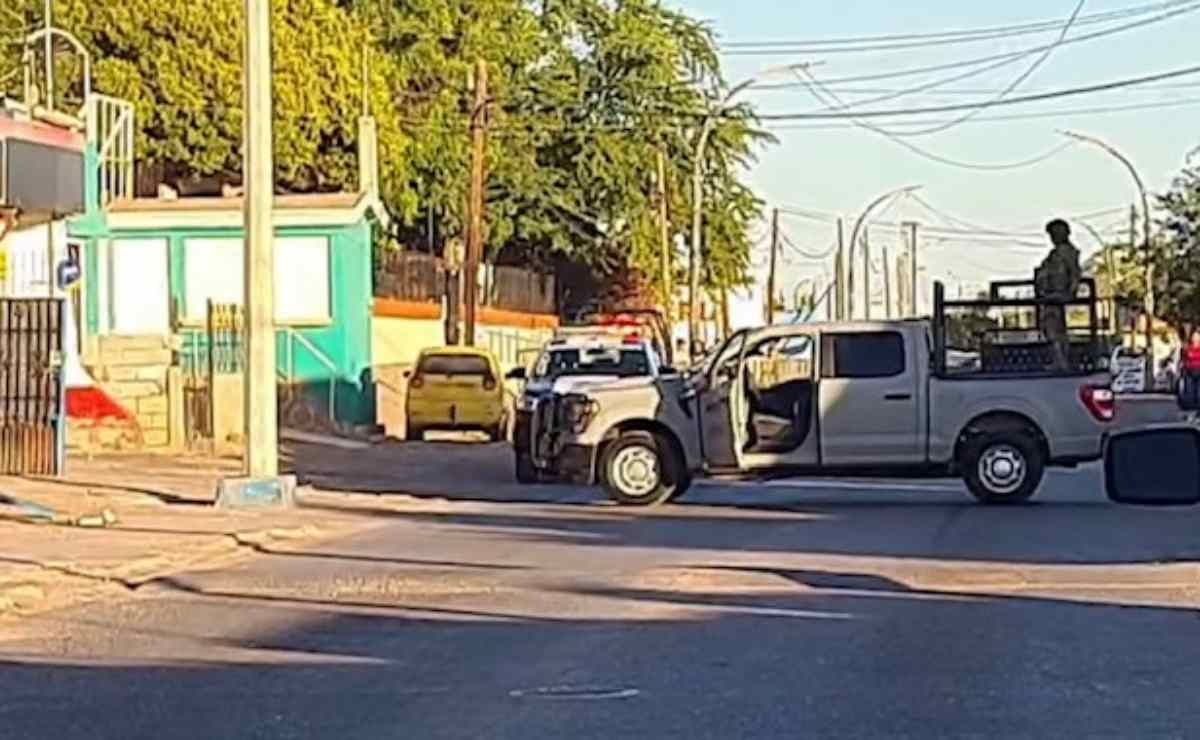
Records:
x=1154, y=466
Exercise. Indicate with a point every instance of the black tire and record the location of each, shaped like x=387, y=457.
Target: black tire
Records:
x=685, y=483
x=414, y=434
x=1003, y=466
x=523, y=468
x=640, y=469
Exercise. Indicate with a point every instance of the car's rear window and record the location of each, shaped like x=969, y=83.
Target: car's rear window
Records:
x=454, y=365
x=594, y=361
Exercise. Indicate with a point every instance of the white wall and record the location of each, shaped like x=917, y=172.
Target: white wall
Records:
x=29, y=272
x=397, y=341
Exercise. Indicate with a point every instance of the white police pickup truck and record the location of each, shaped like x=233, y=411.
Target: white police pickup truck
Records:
x=577, y=358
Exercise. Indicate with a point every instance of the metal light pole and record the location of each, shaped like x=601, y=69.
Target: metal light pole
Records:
x=706, y=130
x=1147, y=245
x=854, y=237
x=1111, y=266
x=262, y=442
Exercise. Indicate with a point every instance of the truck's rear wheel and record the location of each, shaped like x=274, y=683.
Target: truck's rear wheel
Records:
x=639, y=469
x=1003, y=466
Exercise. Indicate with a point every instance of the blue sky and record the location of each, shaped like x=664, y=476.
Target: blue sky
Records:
x=841, y=169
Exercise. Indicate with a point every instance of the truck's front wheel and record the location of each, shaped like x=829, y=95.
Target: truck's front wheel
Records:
x=639, y=469
x=1003, y=467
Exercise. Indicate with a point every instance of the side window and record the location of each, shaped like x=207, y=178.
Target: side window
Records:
x=866, y=355
x=725, y=365
x=780, y=360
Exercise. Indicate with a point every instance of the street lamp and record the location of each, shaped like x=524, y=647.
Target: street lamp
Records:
x=706, y=129
x=1141, y=186
x=854, y=240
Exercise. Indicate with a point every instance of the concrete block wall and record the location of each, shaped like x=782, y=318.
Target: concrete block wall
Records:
x=137, y=373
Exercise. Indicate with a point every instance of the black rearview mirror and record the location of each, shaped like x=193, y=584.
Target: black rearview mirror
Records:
x=517, y=373
x=1154, y=466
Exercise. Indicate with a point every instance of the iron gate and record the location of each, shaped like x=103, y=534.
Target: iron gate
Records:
x=32, y=425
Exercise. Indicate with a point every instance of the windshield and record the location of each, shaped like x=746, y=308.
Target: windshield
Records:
x=613, y=361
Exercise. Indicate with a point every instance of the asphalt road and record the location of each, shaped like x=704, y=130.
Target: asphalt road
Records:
x=798, y=609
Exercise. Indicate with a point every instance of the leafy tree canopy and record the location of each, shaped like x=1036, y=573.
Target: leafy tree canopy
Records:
x=584, y=95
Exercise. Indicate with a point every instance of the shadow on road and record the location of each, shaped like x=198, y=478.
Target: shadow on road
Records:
x=843, y=654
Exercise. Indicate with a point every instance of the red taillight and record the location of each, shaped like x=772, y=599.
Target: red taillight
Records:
x=1101, y=402
x=489, y=384
x=416, y=382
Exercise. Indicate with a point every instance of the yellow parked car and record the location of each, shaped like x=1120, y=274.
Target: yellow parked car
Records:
x=455, y=389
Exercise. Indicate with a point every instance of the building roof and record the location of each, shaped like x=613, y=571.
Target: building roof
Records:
x=315, y=209
x=17, y=123
x=218, y=203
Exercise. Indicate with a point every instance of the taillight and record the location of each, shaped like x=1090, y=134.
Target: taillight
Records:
x=1101, y=402
x=416, y=382
x=489, y=384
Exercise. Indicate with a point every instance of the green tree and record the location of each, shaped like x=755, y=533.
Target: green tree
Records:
x=179, y=63
x=583, y=96
x=1178, y=285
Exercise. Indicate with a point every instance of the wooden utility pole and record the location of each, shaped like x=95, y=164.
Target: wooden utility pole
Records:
x=902, y=282
x=866, y=249
x=1133, y=240
x=887, y=285
x=840, y=273
x=470, y=277
x=664, y=236
x=911, y=226
x=261, y=407
x=774, y=260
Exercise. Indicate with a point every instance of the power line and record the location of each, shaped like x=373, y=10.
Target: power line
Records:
x=1037, y=63
x=1057, y=113
x=886, y=42
x=982, y=91
x=983, y=167
x=808, y=255
x=1003, y=59
x=963, y=223
x=1067, y=92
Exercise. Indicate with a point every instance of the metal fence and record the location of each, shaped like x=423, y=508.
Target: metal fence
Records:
x=409, y=276
x=518, y=289
x=31, y=386
x=419, y=277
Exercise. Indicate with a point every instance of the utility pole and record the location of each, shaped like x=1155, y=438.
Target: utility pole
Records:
x=887, y=285
x=1132, y=251
x=452, y=260
x=771, y=274
x=911, y=226
x=261, y=406
x=664, y=236
x=470, y=278
x=840, y=274
x=49, y=52
x=866, y=250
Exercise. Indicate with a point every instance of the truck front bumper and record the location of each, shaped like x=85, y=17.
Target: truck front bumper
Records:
x=575, y=464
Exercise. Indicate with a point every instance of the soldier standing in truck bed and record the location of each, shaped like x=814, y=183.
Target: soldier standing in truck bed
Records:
x=1056, y=281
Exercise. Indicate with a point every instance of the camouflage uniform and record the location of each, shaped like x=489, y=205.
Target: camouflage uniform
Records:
x=1057, y=280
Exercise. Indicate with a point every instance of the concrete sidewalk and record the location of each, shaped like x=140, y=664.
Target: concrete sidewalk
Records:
x=115, y=523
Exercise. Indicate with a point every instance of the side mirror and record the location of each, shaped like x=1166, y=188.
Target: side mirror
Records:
x=1154, y=466
x=667, y=370
x=407, y=374
x=517, y=373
